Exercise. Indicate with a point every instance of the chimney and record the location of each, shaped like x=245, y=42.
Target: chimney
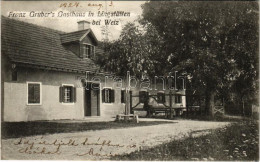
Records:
x=83, y=25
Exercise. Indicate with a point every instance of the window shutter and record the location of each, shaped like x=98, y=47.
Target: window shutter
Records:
x=94, y=54
x=103, y=95
x=61, y=94
x=123, y=96
x=112, y=94
x=74, y=94
x=81, y=51
x=90, y=53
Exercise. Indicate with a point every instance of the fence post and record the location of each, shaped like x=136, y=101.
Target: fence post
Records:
x=223, y=105
x=170, y=94
x=131, y=107
x=188, y=100
x=127, y=105
x=200, y=106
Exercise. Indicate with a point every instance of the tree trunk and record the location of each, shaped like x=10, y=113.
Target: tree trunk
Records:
x=209, y=102
x=243, y=105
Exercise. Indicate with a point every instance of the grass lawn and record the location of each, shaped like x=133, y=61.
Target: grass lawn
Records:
x=23, y=129
x=236, y=142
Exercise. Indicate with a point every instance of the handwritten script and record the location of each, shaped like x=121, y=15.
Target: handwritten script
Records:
x=77, y=4
x=84, y=146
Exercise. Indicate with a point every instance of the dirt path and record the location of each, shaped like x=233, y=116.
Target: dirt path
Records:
x=99, y=145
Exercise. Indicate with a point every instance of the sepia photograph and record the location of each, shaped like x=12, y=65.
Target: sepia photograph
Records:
x=130, y=80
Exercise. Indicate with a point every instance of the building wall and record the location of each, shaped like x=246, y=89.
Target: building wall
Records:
x=15, y=96
x=111, y=109
x=15, y=107
x=117, y=107
x=5, y=75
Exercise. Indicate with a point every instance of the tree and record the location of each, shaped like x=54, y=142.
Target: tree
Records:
x=216, y=42
x=137, y=50
x=134, y=51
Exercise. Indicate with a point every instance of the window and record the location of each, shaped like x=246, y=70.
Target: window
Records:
x=67, y=94
x=34, y=93
x=178, y=99
x=108, y=95
x=88, y=51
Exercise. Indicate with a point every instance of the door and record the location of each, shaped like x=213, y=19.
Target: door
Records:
x=92, y=99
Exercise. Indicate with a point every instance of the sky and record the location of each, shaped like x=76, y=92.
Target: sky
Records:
x=69, y=24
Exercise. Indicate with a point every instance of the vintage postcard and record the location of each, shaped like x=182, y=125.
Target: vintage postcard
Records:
x=130, y=80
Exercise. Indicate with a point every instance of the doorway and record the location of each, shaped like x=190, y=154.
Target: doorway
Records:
x=92, y=99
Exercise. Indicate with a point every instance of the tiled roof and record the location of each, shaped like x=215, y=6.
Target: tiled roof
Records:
x=77, y=36
x=25, y=43
x=74, y=36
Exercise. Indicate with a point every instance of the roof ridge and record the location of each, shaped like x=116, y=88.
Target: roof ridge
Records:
x=36, y=25
x=78, y=31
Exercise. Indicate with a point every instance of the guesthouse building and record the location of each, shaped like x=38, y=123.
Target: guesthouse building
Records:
x=44, y=75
